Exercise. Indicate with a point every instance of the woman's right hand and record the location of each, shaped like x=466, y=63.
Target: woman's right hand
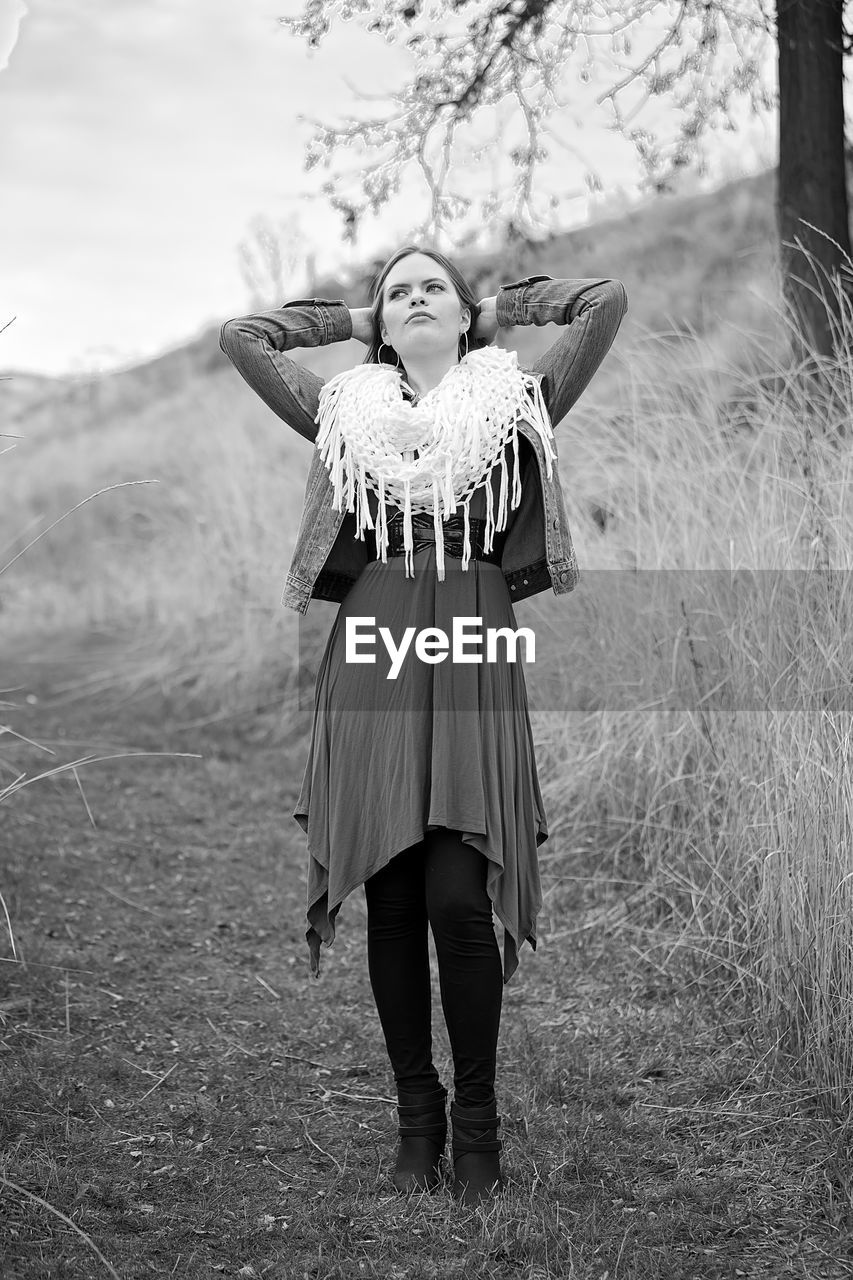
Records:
x=486, y=327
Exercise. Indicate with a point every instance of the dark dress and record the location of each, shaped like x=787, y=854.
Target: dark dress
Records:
x=447, y=744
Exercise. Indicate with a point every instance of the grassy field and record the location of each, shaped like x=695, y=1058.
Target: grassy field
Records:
x=676, y=1059
x=175, y=1084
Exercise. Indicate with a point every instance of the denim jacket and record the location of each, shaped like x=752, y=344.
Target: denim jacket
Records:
x=538, y=552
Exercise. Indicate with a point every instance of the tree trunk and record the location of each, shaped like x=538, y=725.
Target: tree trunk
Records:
x=812, y=182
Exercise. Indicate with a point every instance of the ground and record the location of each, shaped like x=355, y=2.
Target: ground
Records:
x=179, y=1098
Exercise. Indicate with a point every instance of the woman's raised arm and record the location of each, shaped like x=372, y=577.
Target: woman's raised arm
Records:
x=593, y=311
x=256, y=345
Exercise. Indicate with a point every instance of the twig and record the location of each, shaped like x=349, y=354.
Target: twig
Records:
x=83, y=797
x=225, y=1035
x=146, y=1071
x=123, y=485
x=5, y=728
x=278, y=1169
x=710, y=1112
x=354, y=1097
x=120, y=755
x=268, y=987
x=9, y=926
x=150, y=1138
x=140, y=906
x=319, y=1148
x=298, y=1058
x=158, y=1083
x=52, y=1209
x=38, y=964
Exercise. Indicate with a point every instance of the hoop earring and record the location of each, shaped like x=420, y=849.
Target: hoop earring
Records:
x=465, y=335
x=396, y=353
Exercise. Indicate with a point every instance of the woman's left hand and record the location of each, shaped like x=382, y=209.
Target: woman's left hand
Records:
x=486, y=328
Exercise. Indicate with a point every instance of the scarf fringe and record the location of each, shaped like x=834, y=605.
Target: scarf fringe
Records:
x=468, y=420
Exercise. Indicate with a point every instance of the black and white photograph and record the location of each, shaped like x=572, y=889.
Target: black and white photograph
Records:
x=426, y=673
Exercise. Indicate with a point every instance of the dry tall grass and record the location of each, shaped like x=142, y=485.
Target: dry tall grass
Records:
x=701, y=721
x=709, y=700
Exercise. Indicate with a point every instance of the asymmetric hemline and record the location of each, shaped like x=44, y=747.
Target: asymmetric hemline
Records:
x=445, y=744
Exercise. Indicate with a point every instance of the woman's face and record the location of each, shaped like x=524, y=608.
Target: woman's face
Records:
x=418, y=286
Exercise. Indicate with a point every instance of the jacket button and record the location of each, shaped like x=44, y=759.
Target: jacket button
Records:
x=556, y=524
x=564, y=575
x=512, y=588
x=525, y=582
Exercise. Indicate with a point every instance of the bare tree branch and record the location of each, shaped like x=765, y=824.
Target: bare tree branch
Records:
x=268, y=260
x=472, y=54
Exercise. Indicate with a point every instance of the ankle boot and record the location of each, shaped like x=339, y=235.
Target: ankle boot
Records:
x=423, y=1133
x=476, y=1147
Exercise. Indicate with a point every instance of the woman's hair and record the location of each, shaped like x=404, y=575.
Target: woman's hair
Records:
x=466, y=297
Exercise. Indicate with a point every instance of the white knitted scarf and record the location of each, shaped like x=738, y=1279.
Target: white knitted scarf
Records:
x=367, y=434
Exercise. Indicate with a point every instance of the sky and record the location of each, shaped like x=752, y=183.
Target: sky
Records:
x=138, y=141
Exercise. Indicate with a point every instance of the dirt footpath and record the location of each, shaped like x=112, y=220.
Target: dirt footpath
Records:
x=180, y=1098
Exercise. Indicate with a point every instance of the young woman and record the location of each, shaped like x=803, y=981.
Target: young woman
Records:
x=433, y=496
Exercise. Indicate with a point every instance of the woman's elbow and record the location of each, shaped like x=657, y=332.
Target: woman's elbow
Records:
x=229, y=336
x=618, y=295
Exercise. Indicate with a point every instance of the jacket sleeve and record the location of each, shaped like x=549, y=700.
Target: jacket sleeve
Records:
x=257, y=345
x=592, y=310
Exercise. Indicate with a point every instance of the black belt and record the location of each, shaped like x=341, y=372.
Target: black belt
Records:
x=453, y=533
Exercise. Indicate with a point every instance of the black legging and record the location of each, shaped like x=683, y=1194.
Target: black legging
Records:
x=441, y=880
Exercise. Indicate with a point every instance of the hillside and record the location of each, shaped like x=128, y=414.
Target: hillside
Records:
x=676, y=1054
x=682, y=260
x=192, y=561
